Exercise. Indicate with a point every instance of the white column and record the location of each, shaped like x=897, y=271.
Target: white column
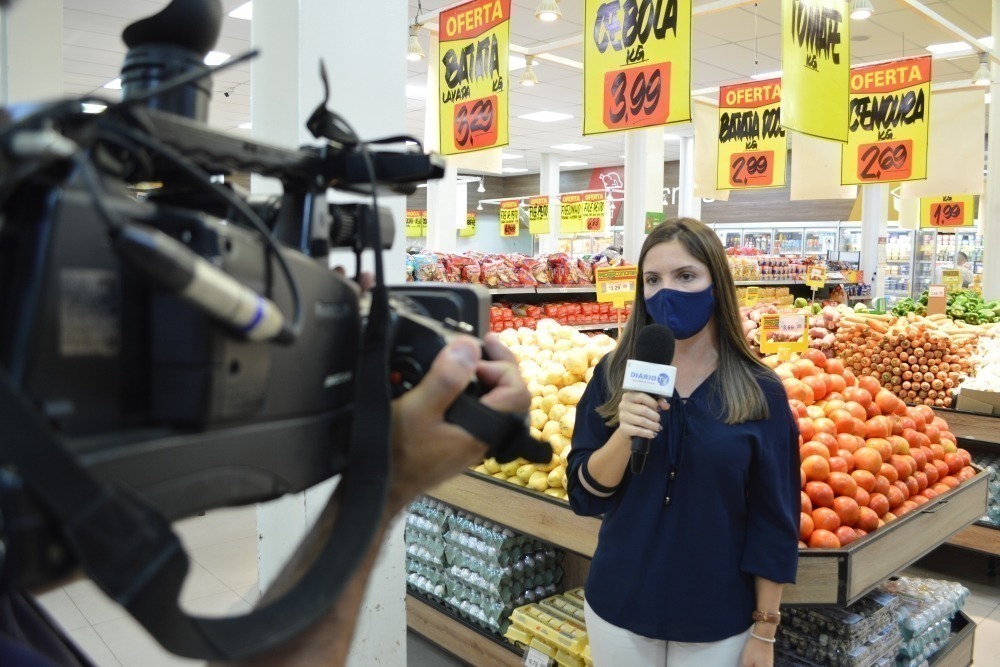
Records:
x=990, y=217
x=31, y=61
x=443, y=211
x=367, y=83
x=548, y=184
x=874, y=226
x=688, y=205
x=643, y=185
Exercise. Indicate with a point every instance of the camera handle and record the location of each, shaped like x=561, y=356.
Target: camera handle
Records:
x=504, y=433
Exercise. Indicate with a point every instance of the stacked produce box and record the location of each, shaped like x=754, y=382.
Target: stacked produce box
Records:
x=570, y=313
x=555, y=627
x=426, y=522
x=924, y=615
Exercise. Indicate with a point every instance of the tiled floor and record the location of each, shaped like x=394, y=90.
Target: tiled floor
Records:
x=223, y=581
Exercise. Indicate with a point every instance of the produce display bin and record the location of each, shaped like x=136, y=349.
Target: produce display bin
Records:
x=958, y=651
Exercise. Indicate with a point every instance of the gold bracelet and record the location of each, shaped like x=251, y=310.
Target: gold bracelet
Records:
x=763, y=639
x=761, y=616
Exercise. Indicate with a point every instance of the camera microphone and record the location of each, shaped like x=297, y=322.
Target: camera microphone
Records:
x=650, y=372
x=177, y=268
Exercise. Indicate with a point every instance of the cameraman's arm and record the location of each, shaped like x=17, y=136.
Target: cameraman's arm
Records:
x=426, y=451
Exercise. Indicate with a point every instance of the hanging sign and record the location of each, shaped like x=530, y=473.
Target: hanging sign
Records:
x=816, y=277
x=510, y=217
x=538, y=215
x=636, y=64
x=594, y=211
x=473, y=76
x=889, y=122
x=416, y=223
x=571, y=214
x=752, y=144
x=653, y=218
x=947, y=212
x=815, y=61
x=616, y=284
x=470, y=226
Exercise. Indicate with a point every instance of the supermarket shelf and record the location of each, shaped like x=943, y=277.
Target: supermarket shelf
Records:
x=568, y=289
x=779, y=283
x=867, y=297
x=453, y=634
x=983, y=539
x=512, y=290
x=599, y=326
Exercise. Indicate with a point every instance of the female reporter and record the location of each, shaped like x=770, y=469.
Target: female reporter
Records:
x=693, y=551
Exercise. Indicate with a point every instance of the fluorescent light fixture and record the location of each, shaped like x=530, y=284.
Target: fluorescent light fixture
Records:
x=513, y=170
x=987, y=42
x=245, y=126
x=545, y=116
x=414, y=51
x=90, y=107
x=515, y=61
x=511, y=156
x=572, y=147
x=528, y=77
x=482, y=184
x=766, y=75
x=861, y=9
x=949, y=48
x=480, y=207
x=214, y=58
x=982, y=76
x=548, y=10
x=244, y=11
x=411, y=143
x=572, y=163
x=114, y=84
x=415, y=92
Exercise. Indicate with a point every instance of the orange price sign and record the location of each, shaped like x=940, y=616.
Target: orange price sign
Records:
x=885, y=161
x=755, y=168
x=476, y=123
x=948, y=214
x=637, y=96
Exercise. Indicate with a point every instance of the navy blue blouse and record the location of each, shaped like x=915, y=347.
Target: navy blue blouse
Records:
x=683, y=570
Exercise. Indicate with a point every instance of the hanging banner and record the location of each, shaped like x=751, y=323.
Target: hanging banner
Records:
x=473, y=76
x=571, y=214
x=470, y=226
x=416, y=223
x=636, y=64
x=538, y=215
x=510, y=217
x=594, y=211
x=752, y=144
x=943, y=213
x=815, y=61
x=889, y=122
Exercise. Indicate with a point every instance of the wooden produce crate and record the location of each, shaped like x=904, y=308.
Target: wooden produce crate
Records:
x=958, y=651
x=842, y=576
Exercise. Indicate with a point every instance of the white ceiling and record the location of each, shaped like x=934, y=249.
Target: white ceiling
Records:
x=725, y=44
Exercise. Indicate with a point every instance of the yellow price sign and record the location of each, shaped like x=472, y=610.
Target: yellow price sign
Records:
x=538, y=215
x=416, y=223
x=752, y=146
x=752, y=297
x=593, y=211
x=616, y=284
x=952, y=279
x=571, y=214
x=470, y=226
x=783, y=331
x=944, y=213
x=510, y=218
x=816, y=277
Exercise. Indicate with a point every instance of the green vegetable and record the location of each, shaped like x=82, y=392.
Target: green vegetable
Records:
x=800, y=303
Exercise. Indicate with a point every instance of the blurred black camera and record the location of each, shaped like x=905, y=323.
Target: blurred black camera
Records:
x=190, y=348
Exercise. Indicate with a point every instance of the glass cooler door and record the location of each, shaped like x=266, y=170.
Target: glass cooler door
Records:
x=899, y=264
x=788, y=242
x=821, y=241
x=759, y=240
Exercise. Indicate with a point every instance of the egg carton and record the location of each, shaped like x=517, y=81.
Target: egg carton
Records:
x=431, y=510
x=850, y=625
x=542, y=563
x=830, y=651
x=434, y=545
x=420, y=553
x=925, y=602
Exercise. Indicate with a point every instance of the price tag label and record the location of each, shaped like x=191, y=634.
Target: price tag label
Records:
x=816, y=277
x=753, y=295
x=885, y=161
x=637, y=96
x=538, y=215
x=416, y=223
x=510, y=218
x=936, y=291
x=470, y=226
x=783, y=331
x=475, y=123
x=535, y=658
x=571, y=214
x=752, y=169
x=945, y=213
x=593, y=211
x=616, y=284
x=952, y=279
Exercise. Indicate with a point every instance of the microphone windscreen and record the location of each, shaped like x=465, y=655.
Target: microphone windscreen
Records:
x=655, y=344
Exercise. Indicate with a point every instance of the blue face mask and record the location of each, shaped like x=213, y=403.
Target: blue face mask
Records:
x=686, y=313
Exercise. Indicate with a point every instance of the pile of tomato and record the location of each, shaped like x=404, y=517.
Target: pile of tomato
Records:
x=866, y=457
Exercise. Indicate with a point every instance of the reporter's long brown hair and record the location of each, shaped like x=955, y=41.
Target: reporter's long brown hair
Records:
x=736, y=377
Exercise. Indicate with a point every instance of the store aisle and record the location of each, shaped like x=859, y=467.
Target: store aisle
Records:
x=223, y=581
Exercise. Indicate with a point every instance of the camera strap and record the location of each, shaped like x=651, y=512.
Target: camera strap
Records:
x=130, y=550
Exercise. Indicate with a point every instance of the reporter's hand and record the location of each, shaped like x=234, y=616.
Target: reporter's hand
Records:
x=639, y=415
x=427, y=450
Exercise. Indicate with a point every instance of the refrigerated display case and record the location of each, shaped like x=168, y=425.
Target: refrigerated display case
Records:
x=899, y=264
x=971, y=243
x=761, y=240
x=925, y=260
x=788, y=242
x=730, y=239
x=820, y=241
x=850, y=239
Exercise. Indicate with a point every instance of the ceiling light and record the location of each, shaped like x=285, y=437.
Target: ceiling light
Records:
x=245, y=126
x=414, y=51
x=861, y=9
x=528, y=77
x=513, y=170
x=987, y=42
x=480, y=207
x=949, y=48
x=114, y=84
x=766, y=75
x=572, y=147
x=982, y=76
x=545, y=116
x=515, y=62
x=511, y=156
x=244, y=11
x=89, y=107
x=216, y=58
x=482, y=186
x=572, y=163
x=548, y=10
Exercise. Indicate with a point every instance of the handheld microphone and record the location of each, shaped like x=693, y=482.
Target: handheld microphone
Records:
x=650, y=372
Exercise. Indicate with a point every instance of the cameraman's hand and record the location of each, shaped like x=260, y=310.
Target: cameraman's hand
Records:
x=427, y=450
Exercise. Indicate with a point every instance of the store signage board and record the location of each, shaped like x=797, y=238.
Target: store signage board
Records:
x=470, y=226
x=474, y=76
x=653, y=218
x=952, y=279
x=948, y=212
x=416, y=223
x=636, y=69
x=538, y=215
x=616, y=284
x=510, y=217
x=779, y=332
x=594, y=211
x=937, y=300
x=816, y=277
x=816, y=61
x=752, y=146
x=571, y=214
x=889, y=123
